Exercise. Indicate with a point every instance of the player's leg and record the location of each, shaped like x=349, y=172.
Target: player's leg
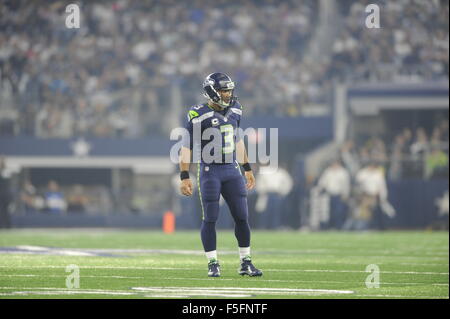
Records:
x=209, y=193
x=235, y=194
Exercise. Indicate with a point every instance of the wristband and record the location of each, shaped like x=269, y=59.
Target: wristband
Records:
x=184, y=175
x=247, y=167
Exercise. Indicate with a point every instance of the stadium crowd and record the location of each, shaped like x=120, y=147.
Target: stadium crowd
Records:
x=409, y=154
x=63, y=82
x=355, y=185
x=412, y=43
x=112, y=77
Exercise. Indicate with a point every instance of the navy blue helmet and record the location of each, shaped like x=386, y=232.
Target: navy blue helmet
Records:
x=215, y=82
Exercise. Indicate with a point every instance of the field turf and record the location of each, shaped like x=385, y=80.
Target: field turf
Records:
x=151, y=264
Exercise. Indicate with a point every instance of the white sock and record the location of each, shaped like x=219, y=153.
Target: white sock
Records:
x=244, y=252
x=211, y=255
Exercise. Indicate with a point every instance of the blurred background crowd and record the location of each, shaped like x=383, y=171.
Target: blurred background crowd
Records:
x=110, y=77
x=133, y=66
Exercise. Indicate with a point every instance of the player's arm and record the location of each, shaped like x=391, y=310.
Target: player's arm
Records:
x=241, y=155
x=185, y=162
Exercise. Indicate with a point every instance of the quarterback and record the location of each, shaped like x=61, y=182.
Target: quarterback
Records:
x=213, y=132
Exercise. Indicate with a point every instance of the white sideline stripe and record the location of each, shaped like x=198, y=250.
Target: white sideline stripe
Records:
x=32, y=248
x=189, y=291
x=403, y=297
x=100, y=267
x=178, y=289
x=274, y=270
x=59, y=276
x=60, y=291
x=361, y=271
x=64, y=292
x=236, y=289
x=65, y=289
x=422, y=264
x=167, y=294
x=78, y=292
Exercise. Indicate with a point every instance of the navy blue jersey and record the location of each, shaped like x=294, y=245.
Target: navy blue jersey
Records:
x=213, y=134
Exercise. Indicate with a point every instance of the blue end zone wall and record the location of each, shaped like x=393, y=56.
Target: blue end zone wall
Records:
x=415, y=202
x=28, y=146
x=288, y=128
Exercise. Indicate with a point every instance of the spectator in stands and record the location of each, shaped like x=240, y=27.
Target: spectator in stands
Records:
x=437, y=138
x=436, y=163
x=272, y=189
x=407, y=136
x=443, y=127
x=350, y=157
x=77, y=200
x=419, y=148
x=55, y=202
x=397, y=158
x=371, y=190
x=5, y=195
x=420, y=145
x=335, y=181
x=376, y=149
x=29, y=199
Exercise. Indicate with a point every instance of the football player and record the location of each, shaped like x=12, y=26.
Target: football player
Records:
x=221, y=149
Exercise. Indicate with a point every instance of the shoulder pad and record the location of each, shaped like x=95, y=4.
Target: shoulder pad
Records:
x=236, y=108
x=192, y=114
x=195, y=111
x=237, y=105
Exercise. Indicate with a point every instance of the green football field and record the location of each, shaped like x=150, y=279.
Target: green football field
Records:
x=150, y=264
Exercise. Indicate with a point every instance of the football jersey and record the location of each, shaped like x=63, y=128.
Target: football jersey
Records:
x=213, y=134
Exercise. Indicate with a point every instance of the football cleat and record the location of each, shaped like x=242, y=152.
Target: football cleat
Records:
x=213, y=268
x=247, y=268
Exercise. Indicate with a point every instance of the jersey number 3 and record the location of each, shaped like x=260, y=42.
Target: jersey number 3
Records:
x=228, y=136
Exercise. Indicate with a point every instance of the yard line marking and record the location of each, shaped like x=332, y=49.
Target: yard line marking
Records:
x=314, y=281
x=403, y=296
x=246, y=289
x=358, y=271
x=186, y=292
x=29, y=249
x=232, y=292
x=60, y=291
x=57, y=288
x=232, y=279
x=59, y=276
x=274, y=270
x=100, y=267
x=422, y=264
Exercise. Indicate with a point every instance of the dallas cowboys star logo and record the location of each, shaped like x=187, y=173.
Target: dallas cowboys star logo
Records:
x=81, y=148
x=442, y=204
